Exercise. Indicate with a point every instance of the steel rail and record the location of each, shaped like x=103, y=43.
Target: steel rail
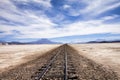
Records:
x=47, y=67
x=65, y=63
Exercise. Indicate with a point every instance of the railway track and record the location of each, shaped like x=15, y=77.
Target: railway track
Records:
x=59, y=67
x=62, y=63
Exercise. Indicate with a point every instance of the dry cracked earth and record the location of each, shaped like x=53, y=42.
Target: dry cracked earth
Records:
x=85, y=68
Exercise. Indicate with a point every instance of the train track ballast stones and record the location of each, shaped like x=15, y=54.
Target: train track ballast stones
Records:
x=59, y=67
x=67, y=64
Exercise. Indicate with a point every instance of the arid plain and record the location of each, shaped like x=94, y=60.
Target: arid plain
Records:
x=106, y=54
x=13, y=55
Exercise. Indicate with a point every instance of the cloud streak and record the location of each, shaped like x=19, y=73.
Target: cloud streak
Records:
x=39, y=23
x=77, y=28
x=91, y=8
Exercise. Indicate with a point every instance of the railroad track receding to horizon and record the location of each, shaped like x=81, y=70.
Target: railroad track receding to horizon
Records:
x=67, y=64
x=59, y=67
x=61, y=63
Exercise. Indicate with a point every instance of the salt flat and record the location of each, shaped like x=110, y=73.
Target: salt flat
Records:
x=107, y=54
x=12, y=55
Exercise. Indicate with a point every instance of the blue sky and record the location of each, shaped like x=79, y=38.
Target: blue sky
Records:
x=59, y=20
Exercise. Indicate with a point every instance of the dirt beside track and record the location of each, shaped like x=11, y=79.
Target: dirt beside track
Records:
x=89, y=70
x=86, y=69
x=26, y=70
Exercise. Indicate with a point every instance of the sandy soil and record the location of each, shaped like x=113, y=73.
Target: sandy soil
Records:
x=107, y=54
x=12, y=55
x=85, y=69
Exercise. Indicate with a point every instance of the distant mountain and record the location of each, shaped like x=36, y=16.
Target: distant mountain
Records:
x=15, y=42
x=105, y=41
x=10, y=43
x=43, y=41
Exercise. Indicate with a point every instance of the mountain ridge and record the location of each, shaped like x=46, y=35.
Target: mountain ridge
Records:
x=40, y=41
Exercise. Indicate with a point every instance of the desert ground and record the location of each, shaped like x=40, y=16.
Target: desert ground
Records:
x=88, y=57
x=13, y=55
x=107, y=54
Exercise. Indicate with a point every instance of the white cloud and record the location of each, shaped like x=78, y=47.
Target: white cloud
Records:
x=99, y=6
x=93, y=27
x=36, y=26
x=10, y=12
x=33, y=23
x=70, y=10
x=110, y=17
x=45, y=3
x=66, y=6
x=58, y=18
x=77, y=28
x=93, y=7
x=44, y=28
x=7, y=5
x=40, y=26
x=110, y=7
